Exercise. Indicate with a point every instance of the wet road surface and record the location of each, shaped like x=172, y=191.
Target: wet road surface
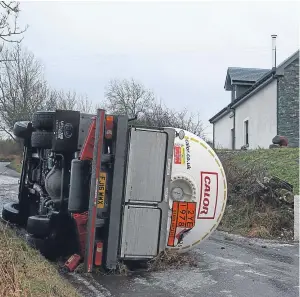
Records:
x=228, y=266
x=8, y=184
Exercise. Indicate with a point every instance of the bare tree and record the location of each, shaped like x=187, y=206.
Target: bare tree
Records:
x=23, y=89
x=85, y=105
x=9, y=30
x=68, y=100
x=162, y=116
x=132, y=98
x=189, y=121
x=127, y=97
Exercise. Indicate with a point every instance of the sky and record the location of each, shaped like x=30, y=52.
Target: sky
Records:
x=179, y=50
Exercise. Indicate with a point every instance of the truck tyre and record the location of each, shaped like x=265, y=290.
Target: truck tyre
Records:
x=42, y=139
x=43, y=120
x=10, y=213
x=20, y=129
x=46, y=246
x=38, y=226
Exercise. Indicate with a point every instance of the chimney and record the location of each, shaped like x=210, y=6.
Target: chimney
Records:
x=274, y=36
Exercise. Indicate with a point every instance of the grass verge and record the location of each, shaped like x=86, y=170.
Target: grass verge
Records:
x=252, y=210
x=282, y=163
x=6, y=158
x=24, y=272
x=15, y=164
x=14, y=161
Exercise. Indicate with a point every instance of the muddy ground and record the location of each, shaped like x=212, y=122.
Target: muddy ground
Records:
x=228, y=266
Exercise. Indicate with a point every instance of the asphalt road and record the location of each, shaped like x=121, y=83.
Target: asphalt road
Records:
x=228, y=266
x=8, y=184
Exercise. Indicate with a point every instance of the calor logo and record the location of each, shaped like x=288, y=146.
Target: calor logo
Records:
x=208, y=195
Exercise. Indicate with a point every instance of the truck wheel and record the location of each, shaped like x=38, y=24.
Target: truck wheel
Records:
x=20, y=129
x=42, y=139
x=43, y=120
x=10, y=213
x=38, y=225
x=46, y=246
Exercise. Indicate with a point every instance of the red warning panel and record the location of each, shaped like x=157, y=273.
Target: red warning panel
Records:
x=183, y=217
x=179, y=154
x=186, y=214
x=173, y=226
x=208, y=195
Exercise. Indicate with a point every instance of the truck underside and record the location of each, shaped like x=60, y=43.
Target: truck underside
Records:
x=93, y=185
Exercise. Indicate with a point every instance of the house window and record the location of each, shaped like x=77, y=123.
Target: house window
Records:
x=233, y=93
x=246, y=132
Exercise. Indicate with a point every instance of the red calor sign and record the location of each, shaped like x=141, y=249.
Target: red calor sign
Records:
x=208, y=195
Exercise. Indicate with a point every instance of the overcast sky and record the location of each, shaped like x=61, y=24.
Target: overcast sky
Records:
x=180, y=50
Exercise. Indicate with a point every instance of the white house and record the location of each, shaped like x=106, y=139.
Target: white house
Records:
x=264, y=103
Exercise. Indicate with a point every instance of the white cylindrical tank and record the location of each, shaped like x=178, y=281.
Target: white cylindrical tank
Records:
x=198, y=192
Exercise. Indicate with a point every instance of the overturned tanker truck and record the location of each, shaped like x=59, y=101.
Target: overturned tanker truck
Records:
x=103, y=190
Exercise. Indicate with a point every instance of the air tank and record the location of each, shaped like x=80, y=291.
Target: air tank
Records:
x=79, y=186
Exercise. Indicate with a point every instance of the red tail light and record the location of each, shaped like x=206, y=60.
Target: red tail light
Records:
x=109, y=125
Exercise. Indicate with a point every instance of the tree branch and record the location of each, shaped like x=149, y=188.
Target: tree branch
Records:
x=9, y=13
x=7, y=132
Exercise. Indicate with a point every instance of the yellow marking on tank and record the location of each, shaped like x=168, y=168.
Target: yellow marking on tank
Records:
x=195, y=140
x=205, y=236
x=225, y=192
x=219, y=217
x=186, y=137
x=196, y=242
x=211, y=152
x=223, y=207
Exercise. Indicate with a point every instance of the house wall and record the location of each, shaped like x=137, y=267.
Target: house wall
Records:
x=261, y=111
x=288, y=104
x=238, y=90
x=241, y=90
x=222, y=132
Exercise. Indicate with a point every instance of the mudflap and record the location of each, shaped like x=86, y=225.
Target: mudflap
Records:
x=62, y=241
x=64, y=227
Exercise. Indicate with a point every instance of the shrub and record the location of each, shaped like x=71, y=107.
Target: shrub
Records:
x=256, y=204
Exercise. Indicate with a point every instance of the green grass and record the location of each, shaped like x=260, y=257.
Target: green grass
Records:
x=15, y=164
x=24, y=272
x=282, y=163
x=4, y=158
x=15, y=161
x=250, y=212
